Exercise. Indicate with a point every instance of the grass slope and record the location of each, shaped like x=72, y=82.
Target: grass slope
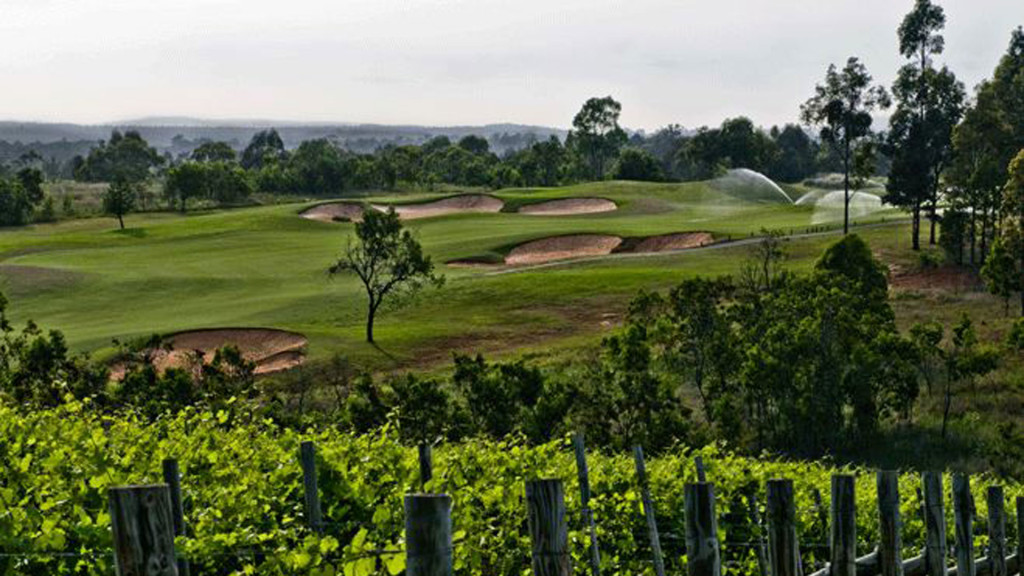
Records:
x=266, y=266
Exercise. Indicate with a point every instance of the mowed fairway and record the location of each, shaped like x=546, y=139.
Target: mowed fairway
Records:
x=266, y=267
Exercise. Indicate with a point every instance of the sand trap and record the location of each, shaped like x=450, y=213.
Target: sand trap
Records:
x=270, y=350
x=670, y=242
x=445, y=206
x=562, y=248
x=569, y=206
x=334, y=212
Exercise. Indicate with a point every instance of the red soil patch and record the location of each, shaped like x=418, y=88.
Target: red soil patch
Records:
x=569, y=206
x=270, y=350
x=945, y=278
x=445, y=206
x=562, y=248
x=670, y=242
x=334, y=212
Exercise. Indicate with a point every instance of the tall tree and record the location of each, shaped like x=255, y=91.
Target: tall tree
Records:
x=930, y=103
x=596, y=135
x=842, y=107
x=125, y=156
x=214, y=152
x=1013, y=211
x=266, y=147
x=388, y=260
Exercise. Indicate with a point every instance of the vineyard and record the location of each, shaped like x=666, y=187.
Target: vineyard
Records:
x=242, y=486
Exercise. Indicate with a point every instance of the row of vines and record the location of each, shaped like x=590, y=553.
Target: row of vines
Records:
x=242, y=487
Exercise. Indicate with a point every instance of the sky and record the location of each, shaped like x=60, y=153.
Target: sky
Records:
x=457, y=62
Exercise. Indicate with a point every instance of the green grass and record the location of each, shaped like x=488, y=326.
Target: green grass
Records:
x=266, y=266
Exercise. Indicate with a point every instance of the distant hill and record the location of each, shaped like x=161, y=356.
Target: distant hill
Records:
x=180, y=134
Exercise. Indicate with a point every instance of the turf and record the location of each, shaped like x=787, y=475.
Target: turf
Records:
x=266, y=266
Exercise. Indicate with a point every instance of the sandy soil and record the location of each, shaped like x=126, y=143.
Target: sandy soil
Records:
x=334, y=212
x=569, y=206
x=270, y=350
x=562, y=247
x=453, y=205
x=669, y=242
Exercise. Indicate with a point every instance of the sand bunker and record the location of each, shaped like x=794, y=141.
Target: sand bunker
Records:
x=670, y=242
x=445, y=206
x=589, y=245
x=334, y=212
x=562, y=248
x=270, y=350
x=569, y=206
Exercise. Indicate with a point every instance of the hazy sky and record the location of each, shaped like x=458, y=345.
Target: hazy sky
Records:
x=435, y=62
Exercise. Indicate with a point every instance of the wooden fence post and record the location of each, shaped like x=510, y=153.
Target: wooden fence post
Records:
x=698, y=462
x=935, y=525
x=143, y=527
x=1020, y=532
x=426, y=459
x=843, y=541
x=652, y=523
x=963, y=525
x=996, y=531
x=583, y=473
x=428, y=535
x=549, y=533
x=172, y=477
x=890, y=556
x=703, y=557
x=783, y=546
x=312, y=494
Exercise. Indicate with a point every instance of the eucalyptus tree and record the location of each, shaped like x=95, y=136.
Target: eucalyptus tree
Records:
x=930, y=103
x=596, y=135
x=842, y=107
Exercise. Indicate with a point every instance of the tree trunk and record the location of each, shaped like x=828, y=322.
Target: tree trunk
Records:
x=984, y=237
x=370, y=313
x=120, y=220
x=974, y=226
x=846, y=187
x=915, y=232
x=933, y=210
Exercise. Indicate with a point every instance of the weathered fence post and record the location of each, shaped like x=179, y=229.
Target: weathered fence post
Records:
x=428, y=535
x=698, y=462
x=963, y=525
x=549, y=533
x=935, y=525
x=890, y=557
x=703, y=557
x=172, y=477
x=652, y=523
x=783, y=546
x=143, y=527
x=583, y=473
x=843, y=541
x=1020, y=533
x=312, y=493
x=426, y=459
x=996, y=531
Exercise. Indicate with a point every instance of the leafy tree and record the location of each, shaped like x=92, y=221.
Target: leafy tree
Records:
x=966, y=361
x=842, y=106
x=388, y=260
x=125, y=156
x=19, y=197
x=978, y=171
x=635, y=164
x=795, y=160
x=214, y=152
x=851, y=257
x=1000, y=272
x=475, y=145
x=119, y=199
x=266, y=147
x=1013, y=208
x=596, y=135
x=930, y=103
x=185, y=181
x=317, y=168
x=222, y=182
